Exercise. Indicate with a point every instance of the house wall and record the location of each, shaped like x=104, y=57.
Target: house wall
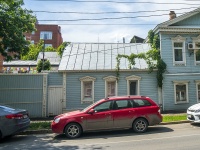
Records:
x=167, y=54
x=148, y=86
x=178, y=73
x=24, y=91
x=168, y=94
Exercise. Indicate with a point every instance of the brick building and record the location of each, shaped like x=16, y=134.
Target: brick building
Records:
x=50, y=33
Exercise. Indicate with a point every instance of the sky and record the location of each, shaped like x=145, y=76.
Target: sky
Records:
x=106, y=21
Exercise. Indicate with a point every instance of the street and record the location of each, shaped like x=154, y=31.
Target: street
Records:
x=162, y=137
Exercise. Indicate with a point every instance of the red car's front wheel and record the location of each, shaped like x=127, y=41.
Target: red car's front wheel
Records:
x=73, y=130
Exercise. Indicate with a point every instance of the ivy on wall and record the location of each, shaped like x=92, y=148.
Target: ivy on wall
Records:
x=152, y=58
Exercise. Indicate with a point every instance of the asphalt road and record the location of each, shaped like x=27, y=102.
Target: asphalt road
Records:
x=162, y=137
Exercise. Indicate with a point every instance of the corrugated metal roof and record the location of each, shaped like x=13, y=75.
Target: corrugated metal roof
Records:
x=20, y=63
x=100, y=56
x=53, y=57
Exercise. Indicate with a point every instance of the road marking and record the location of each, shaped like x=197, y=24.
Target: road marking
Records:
x=170, y=137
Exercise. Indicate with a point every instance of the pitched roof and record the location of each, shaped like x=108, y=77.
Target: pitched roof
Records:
x=100, y=56
x=53, y=57
x=177, y=19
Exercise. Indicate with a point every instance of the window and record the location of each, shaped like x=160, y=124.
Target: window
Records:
x=197, y=57
x=141, y=103
x=32, y=41
x=103, y=107
x=178, y=46
x=121, y=104
x=133, y=85
x=47, y=45
x=198, y=90
x=87, y=89
x=46, y=35
x=181, y=91
x=110, y=86
x=33, y=32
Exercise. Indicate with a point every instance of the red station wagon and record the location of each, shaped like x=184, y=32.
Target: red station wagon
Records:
x=120, y=112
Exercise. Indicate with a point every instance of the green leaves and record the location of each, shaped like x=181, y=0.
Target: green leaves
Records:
x=45, y=66
x=14, y=22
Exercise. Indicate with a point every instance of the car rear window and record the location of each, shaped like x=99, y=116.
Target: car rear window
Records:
x=141, y=103
x=6, y=108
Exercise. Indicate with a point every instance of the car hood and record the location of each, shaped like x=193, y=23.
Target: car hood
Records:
x=194, y=107
x=72, y=113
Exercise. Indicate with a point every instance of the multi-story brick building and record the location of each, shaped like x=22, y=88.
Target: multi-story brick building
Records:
x=50, y=33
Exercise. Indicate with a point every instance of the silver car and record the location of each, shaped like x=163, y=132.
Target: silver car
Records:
x=12, y=121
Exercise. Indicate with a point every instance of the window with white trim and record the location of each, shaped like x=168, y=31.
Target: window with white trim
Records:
x=197, y=57
x=46, y=35
x=47, y=45
x=110, y=86
x=181, y=92
x=178, y=46
x=133, y=85
x=198, y=90
x=87, y=89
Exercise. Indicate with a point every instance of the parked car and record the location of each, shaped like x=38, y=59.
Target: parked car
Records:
x=120, y=112
x=12, y=121
x=193, y=113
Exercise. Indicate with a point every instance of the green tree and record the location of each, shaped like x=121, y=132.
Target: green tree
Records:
x=33, y=51
x=14, y=22
x=47, y=65
x=62, y=47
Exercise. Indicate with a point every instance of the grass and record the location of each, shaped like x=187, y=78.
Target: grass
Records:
x=47, y=125
x=174, y=117
x=40, y=125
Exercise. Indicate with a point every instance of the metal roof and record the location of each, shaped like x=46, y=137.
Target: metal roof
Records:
x=53, y=57
x=20, y=63
x=100, y=56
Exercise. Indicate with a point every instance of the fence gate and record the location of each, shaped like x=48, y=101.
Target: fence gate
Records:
x=55, y=100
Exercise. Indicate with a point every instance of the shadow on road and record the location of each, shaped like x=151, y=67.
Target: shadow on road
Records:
x=117, y=133
x=196, y=124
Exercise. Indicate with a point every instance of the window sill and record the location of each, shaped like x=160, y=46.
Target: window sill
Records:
x=178, y=103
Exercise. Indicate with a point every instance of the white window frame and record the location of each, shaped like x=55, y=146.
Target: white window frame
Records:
x=196, y=40
x=197, y=90
x=133, y=78
x=48, y=34
x=181, y=83
x=179, y=39
x=87, y=79
x=110, y=79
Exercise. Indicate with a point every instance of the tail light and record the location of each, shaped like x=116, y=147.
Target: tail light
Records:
x=14, y=116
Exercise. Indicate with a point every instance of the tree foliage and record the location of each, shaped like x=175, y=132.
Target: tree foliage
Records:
x=47, y=65
x=33, y=51
x=62, y=47
x=14, y=22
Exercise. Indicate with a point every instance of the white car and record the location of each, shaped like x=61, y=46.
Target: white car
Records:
x=193, y=113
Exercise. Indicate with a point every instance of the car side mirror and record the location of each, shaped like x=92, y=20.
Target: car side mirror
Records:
x=91, y=111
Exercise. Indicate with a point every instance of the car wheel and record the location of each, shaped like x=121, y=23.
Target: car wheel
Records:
x=73, y=130
x=140, y=125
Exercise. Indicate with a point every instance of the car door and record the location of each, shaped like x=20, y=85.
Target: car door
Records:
x=122, y=113
x=101, y=118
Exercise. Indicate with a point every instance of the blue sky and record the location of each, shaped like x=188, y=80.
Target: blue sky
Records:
x=77, y=32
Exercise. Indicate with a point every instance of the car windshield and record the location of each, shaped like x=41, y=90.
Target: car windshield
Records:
x=85, y=109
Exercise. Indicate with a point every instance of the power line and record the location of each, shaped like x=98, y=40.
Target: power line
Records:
x=73, y=12
x=108, y=18
x=128, y=2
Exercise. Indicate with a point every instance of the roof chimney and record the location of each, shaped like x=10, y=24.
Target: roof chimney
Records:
x=172, y=15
